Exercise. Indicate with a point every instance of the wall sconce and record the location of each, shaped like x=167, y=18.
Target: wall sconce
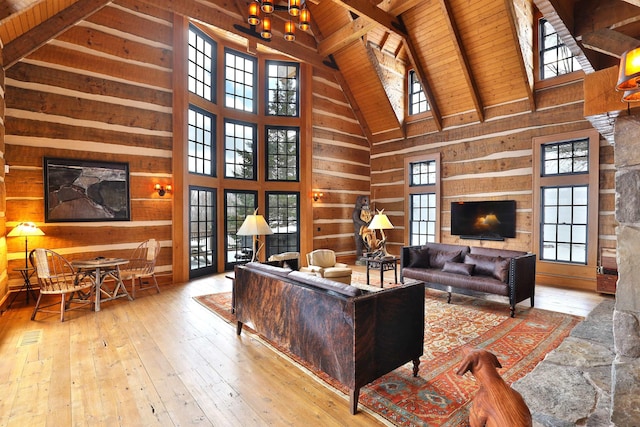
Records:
x=162, y=189
x=317, y=196
x=629, y=75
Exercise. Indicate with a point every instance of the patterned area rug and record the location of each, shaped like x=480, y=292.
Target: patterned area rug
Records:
x=439, y=397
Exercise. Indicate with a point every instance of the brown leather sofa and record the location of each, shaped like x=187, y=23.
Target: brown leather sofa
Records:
x=471, y=270
x=353, y=335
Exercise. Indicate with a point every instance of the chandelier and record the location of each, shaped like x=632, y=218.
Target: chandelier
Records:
x=295, y=8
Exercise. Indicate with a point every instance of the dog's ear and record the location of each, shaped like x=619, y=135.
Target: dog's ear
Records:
x=466, y=365
x=495, y=361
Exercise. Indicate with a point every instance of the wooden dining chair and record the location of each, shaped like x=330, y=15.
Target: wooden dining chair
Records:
x=141, y=267
x=56, y=276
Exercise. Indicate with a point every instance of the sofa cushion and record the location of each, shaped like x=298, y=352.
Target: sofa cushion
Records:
x=458, y=268
x=418, y=257
x=280, y=271
x=438, y=258
x=493, y=266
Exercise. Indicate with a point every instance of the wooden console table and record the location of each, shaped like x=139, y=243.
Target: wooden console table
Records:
x=383, y=264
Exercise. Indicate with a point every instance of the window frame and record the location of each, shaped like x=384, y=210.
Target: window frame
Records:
x=254, y=152
x=267, y=89
x=410, y=190
x=560, y=272
x=551, y=81
x=214, y=143
x=254, y=84
x=410, y=94
x=248, y=240
x=207, y=269
x=271, y=248
x=214, y=61
x=267, y=153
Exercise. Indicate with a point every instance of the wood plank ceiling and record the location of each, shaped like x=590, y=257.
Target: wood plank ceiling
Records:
x=467, y=54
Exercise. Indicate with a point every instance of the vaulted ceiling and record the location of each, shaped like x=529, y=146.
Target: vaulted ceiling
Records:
x=469, y=55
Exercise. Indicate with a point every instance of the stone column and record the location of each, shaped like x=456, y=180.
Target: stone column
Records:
x=625, y=371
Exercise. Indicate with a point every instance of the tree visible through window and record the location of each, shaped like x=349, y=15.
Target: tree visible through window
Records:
x=555, y=57
x=282, y=153
x=282, y=88
x=239, y=150
x=238, y=204
x=283, y=216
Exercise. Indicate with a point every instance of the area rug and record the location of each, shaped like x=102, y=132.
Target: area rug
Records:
x=439, y=397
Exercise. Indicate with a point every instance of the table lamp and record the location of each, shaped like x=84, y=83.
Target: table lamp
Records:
x=381, y=222
x=25, y=229
x=254, y=225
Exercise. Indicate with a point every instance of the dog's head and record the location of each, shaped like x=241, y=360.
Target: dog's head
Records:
x=476, y=358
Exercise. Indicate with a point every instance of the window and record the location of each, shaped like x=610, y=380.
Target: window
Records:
x=555, y=58
x=201, y=150
x=202, y=229
x=417, y=99
x=240, y=81
x=282, y=153
x=239, y=150
x=283, y=216
x=238, y=204
x=565, y=209
x=282, y=88
x=422, y=195
x=566, y=157
x=202, y=64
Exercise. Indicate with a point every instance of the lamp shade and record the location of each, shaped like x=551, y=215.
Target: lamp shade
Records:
x=25, y=229
x=380, y=221
x=254, y=225
x=629, y=73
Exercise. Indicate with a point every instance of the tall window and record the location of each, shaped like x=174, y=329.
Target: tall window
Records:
x=422, y=194
x=283, y=216
x=202, y=67
x=555, y=57
x=239, y=150
x=240, y=81
x=282, y=153
x=202, y=231
x=201, y=150
x=564, y=208
x=417, y=99
x=237, y=205
x=282, y=88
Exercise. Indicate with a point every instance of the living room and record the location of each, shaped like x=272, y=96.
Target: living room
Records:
x=112, y=87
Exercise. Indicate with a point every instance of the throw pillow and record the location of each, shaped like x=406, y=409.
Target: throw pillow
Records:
x=418, y=258
x=438, y=258
x=458, y=268
x=496, y=267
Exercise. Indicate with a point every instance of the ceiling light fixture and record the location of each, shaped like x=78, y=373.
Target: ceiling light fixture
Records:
x=295, y=8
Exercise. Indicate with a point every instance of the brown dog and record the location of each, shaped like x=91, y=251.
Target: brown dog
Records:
x=496, y=404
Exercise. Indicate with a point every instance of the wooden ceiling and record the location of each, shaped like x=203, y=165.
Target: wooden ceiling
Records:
x=469, y=55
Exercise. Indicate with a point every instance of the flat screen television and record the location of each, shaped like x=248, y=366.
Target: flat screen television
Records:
x=484, y=220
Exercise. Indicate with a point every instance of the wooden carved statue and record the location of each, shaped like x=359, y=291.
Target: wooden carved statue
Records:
x=361, y=218
x=495, y=404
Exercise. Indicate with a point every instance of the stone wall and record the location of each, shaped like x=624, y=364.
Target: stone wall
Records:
x=625, y=371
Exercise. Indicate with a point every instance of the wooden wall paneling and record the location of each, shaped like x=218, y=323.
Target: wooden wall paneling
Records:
x=4, y=286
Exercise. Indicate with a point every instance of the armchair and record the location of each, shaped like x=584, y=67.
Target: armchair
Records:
x=322, y=262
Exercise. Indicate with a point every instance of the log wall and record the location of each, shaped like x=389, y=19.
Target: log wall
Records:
x=102, y=90
x=490, y=160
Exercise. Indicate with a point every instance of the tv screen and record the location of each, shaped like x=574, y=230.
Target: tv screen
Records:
x=485, y=220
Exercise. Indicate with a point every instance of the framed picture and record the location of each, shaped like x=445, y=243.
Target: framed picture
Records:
x=85, y=190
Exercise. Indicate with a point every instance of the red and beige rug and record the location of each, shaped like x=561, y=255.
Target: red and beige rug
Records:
x=439, y=397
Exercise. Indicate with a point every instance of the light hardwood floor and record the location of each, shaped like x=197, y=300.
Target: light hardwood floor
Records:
x=165, y=360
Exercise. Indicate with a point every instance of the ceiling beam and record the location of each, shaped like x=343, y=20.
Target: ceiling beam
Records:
x=609, y=42
x=49, y=29
x=345, y=36
x=633, y=2
x=467, y=76
x=368, y=11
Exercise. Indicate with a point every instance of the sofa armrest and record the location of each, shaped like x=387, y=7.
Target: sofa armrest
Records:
x=340, y=265
x=522, y=278
x=405, y=259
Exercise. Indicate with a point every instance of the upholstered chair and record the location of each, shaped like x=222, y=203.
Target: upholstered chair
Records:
x=322, y=262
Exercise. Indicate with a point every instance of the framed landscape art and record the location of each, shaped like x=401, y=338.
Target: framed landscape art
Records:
x=85, y=190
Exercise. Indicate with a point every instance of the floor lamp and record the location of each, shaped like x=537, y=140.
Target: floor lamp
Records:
x=25, y=229
x=381, y=222
x=254, y=225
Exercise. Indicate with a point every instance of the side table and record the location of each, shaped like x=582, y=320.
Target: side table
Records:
x=383, y=264
x=26, y=273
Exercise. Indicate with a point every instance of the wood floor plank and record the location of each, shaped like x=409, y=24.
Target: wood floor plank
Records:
x=165, y=360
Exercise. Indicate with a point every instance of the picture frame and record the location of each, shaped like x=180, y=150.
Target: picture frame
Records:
x=85, y=190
